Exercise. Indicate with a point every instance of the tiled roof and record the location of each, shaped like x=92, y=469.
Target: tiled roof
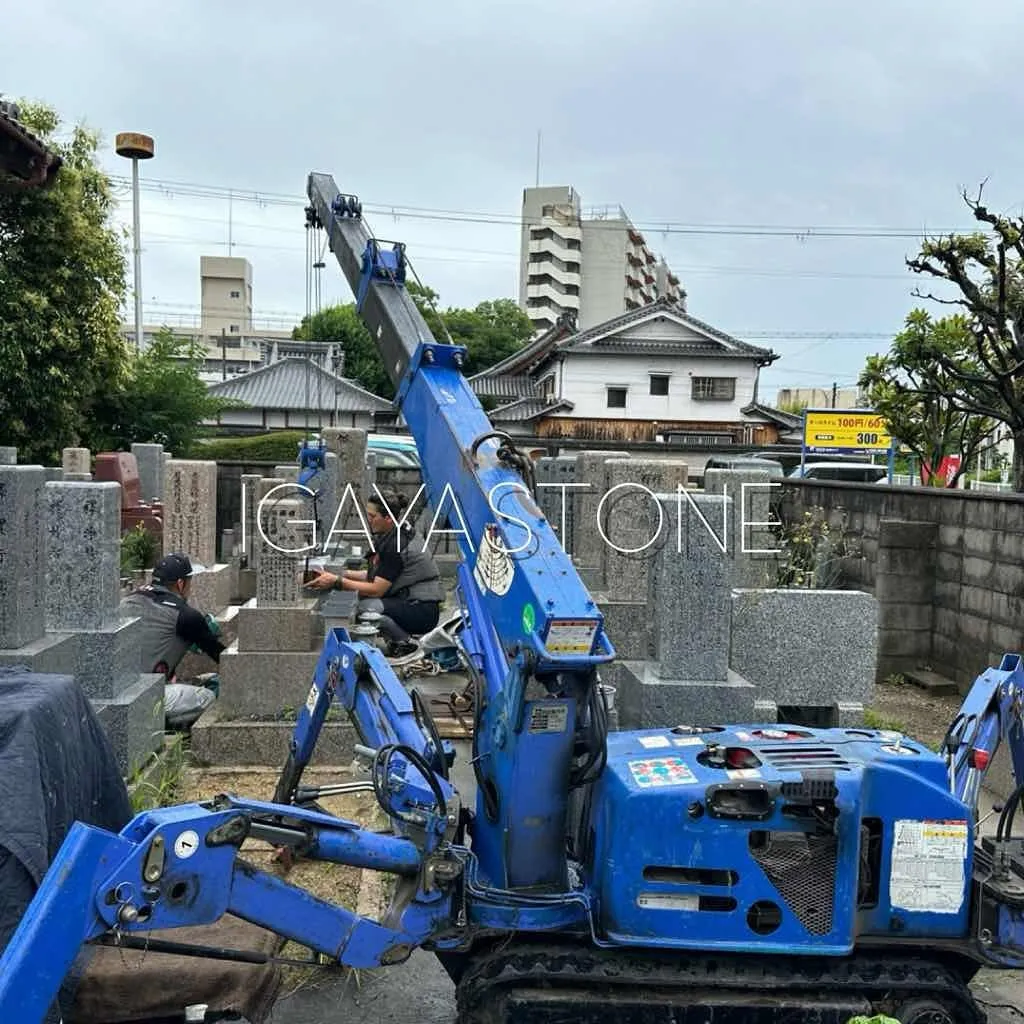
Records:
x=292, y=383
x=520, y=363
x=784, y=419
x=524, y=409
x=20, y=149
x=602, y=338
x=503, y=387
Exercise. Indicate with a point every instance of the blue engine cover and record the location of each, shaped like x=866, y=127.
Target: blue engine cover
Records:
x=688, y=854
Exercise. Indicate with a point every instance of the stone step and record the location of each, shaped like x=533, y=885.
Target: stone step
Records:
x=932, y=682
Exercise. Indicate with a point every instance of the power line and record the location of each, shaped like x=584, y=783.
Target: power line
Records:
x=799, y=231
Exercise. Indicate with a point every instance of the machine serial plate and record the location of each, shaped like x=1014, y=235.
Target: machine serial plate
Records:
x=548, y=718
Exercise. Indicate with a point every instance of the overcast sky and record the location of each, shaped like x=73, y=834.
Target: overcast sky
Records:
x=688, y=115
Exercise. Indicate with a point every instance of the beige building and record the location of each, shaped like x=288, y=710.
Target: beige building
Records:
x=589, y=265
x=226, y=295
x=818, y=398
x=225, y=324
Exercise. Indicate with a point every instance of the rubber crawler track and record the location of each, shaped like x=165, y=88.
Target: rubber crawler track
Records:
x=586, y=973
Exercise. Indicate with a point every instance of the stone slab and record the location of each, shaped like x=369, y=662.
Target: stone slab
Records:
x=932, y=682
x=752, y=551
x=806, y=647
x=628, y=625
x=134, y=722
x=262, y=684
x=217, y=740
x=286, y=534
x=22, y=534
x=190, y=509
x=8, y=455
x=106, y=661
x=76, y=460
x=278, y=629
x=647, y=700
x=48, y=654
x=149, y=458
x=82, y=555
x=212, y=590
x=689, y=589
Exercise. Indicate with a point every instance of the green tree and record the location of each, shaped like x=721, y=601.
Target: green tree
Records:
x=913, y=389
x=986, y=270
x=62, y=282
x=160, y=400
x=490, y=332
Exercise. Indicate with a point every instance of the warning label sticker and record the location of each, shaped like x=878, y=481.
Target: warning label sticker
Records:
x=928, y=859
x=661, y=771
x=571, y=636
x=548, y=718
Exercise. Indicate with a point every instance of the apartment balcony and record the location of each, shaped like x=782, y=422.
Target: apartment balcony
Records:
x=554, y=247
x=566, y=278
x=551, y=295
x=558, y=227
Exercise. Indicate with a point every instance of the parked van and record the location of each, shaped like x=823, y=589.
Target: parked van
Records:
x=852, y=472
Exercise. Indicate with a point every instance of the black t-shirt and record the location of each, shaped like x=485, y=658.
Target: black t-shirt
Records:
x=388, y=561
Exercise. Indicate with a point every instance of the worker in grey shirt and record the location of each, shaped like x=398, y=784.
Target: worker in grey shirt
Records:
x=170, y=628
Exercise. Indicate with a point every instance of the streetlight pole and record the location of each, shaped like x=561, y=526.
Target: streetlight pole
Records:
x=136, y=147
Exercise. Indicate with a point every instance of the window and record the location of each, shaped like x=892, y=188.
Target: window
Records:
x=233, y=328
x=659, y=383
x=547, y=386
x=616, y=398
x=236, y=295
x=714, y=389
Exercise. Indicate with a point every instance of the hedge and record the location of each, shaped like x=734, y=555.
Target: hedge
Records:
x=281, y=446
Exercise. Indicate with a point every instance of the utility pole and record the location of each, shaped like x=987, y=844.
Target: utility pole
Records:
x=136, y=147
x=223, y=354
x=833, y=394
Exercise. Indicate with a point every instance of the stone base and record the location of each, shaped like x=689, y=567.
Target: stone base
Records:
x=49, y=654
x=134, y=721
x=104, y=662
x=212, y=590
x=627, y=624
x=808, y=648
x=647, y=700
x=218, y=740
x=592, y=577
x=278, y=629
x=264, y=683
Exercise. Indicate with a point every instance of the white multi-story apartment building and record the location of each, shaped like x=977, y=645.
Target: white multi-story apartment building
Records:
x=592, y=265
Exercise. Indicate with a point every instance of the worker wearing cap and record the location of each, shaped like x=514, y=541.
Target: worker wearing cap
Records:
x=170, y=628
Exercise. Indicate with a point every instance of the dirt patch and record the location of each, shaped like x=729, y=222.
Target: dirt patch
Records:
x=909, y=709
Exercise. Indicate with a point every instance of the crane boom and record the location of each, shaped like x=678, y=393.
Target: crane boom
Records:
x=474, y=474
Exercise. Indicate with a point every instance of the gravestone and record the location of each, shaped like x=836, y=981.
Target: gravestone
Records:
x=190, y=526
x=76, y=460
x=556, y=484
x=8, y=455
x=92, y=640
x=271, y=664
x=22, y=585
x=190, y=509
x=150, y=461
x=753, y=555
x=687, y=679
x=588, y=547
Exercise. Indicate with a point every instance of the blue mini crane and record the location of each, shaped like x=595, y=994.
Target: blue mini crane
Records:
x=690, y=873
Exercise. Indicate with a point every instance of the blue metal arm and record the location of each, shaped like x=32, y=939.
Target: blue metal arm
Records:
x=992, y=712
x=181, y=866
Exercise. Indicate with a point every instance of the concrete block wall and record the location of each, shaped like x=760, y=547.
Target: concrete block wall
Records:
x=971, y=574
